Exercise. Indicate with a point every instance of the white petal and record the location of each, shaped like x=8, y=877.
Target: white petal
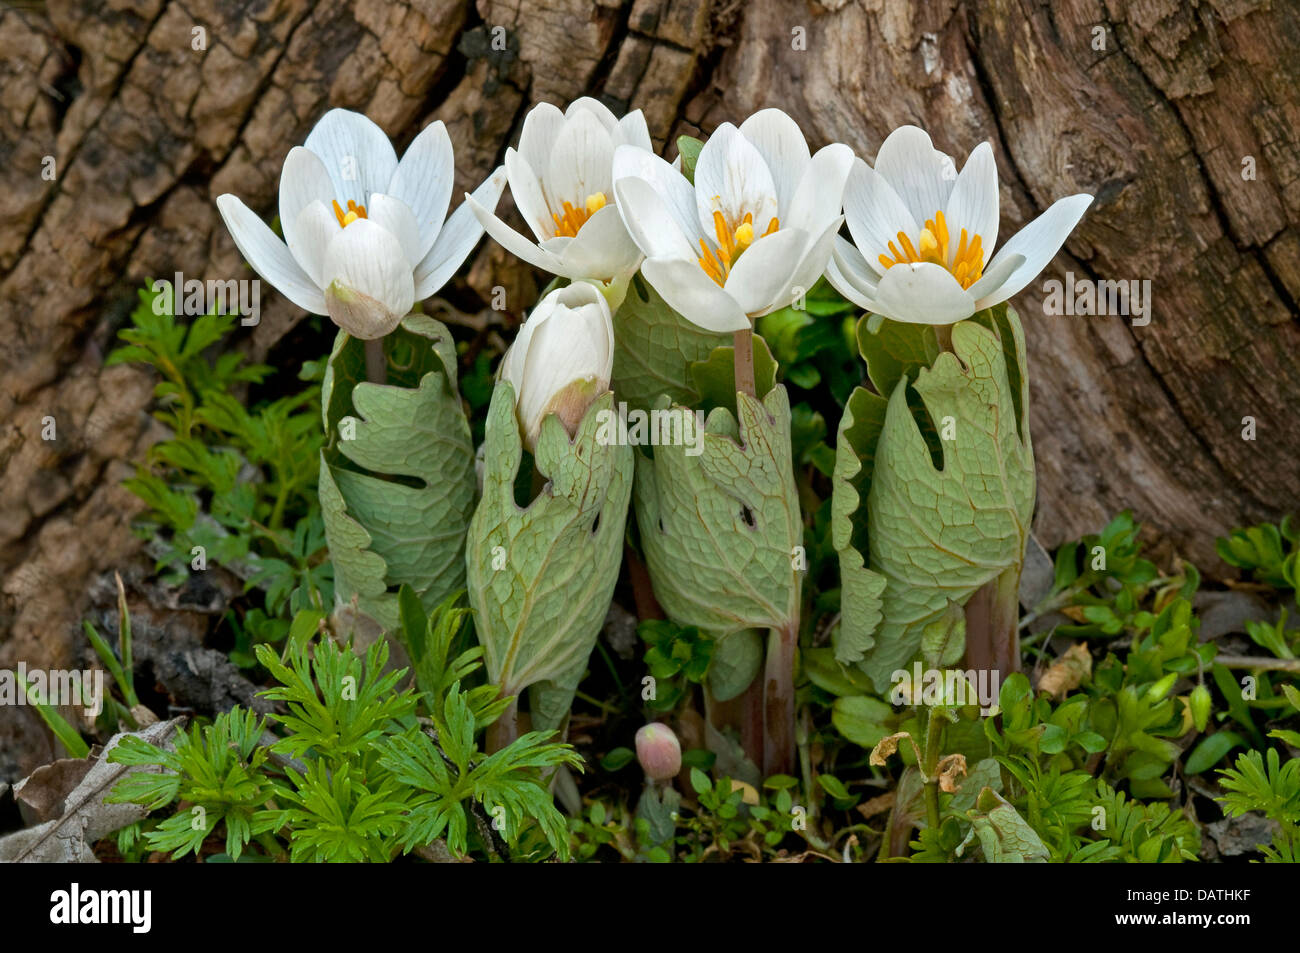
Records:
x=632, y=131
x=676, y=194
x=303, y=180
x=393, y=215
x=922, y=293
x=542, y=127
x=313, y=232
x=973, y=204
x=875, y=214
x=781, y=144
x=1039, y=241
x=596, y=108
x=581, y=162
x=368, y=259
x=922, y=176
x=731, y=177
x=602, y=249
x=995, y=278
x=854, y=266
x=819, y=198
x=526, y=190
x=812, y=265
x=576, y=339
x=357, y=153
x=651, y=221
x=765, y=270
x=458, y=237
x=423, y=181
x=509, y=239
x=694, y=295
x=269, y=256
x=835, y=276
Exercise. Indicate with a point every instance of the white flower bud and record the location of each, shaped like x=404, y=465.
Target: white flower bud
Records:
x=562, y=359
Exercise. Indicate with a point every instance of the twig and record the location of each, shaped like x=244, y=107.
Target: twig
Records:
x=1260, y=664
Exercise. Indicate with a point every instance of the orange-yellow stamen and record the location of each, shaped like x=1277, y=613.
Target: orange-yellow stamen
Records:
x=353, y=213
x=732, y=242
x=568, y=224
x=965, y=263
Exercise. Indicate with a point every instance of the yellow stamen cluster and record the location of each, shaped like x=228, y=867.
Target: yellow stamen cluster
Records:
x=568, y=224
x=966, y=263
x=353, y=213
x=717, y=264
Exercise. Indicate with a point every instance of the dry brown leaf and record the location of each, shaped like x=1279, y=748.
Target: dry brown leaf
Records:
x=40, y=795
x=85, y=817
x=1067, y=672
x=952, y=768
x=876, y=805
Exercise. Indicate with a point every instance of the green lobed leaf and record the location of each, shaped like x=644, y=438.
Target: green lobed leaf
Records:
x=894, y=350
x=654, y=348
x=938, y=534
x=719, y=528
x=541, y=577
x=397, y=498
x=1004, y=836
x=861, y=588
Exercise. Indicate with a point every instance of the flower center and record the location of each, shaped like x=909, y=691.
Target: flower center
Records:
x=731, y=242
x=353, y=213
x=965, y=262
x=568, y=224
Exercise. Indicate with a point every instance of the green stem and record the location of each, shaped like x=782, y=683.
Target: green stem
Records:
x=376, y=362
x=930, y=768
x=744, y=362
x=277, y=510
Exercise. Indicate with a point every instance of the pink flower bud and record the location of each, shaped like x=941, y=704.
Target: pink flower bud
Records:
x=659, y=751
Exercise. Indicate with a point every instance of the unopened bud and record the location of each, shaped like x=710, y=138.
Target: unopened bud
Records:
x=659, y=751
x=1200, y=706
x=562, y=359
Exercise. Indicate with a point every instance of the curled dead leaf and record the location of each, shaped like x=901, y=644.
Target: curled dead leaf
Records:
x=1067, y=672
x=952, y=768
x=888, y=745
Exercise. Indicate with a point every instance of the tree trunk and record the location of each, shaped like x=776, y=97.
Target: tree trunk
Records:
x=1181, y=118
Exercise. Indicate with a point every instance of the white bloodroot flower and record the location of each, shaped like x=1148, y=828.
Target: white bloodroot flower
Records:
x=562, y=359
x=561, y=181
x=365, y=236
x=753, y=233
x=924, y=236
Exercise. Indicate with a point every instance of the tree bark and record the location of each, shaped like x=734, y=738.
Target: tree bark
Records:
x=1181, y=118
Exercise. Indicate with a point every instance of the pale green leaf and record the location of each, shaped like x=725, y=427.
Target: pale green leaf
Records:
x=938, y=534
x=719, y=527
x=860, y=588
x=541, y=578
x=654, y=348
x=397, y=496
